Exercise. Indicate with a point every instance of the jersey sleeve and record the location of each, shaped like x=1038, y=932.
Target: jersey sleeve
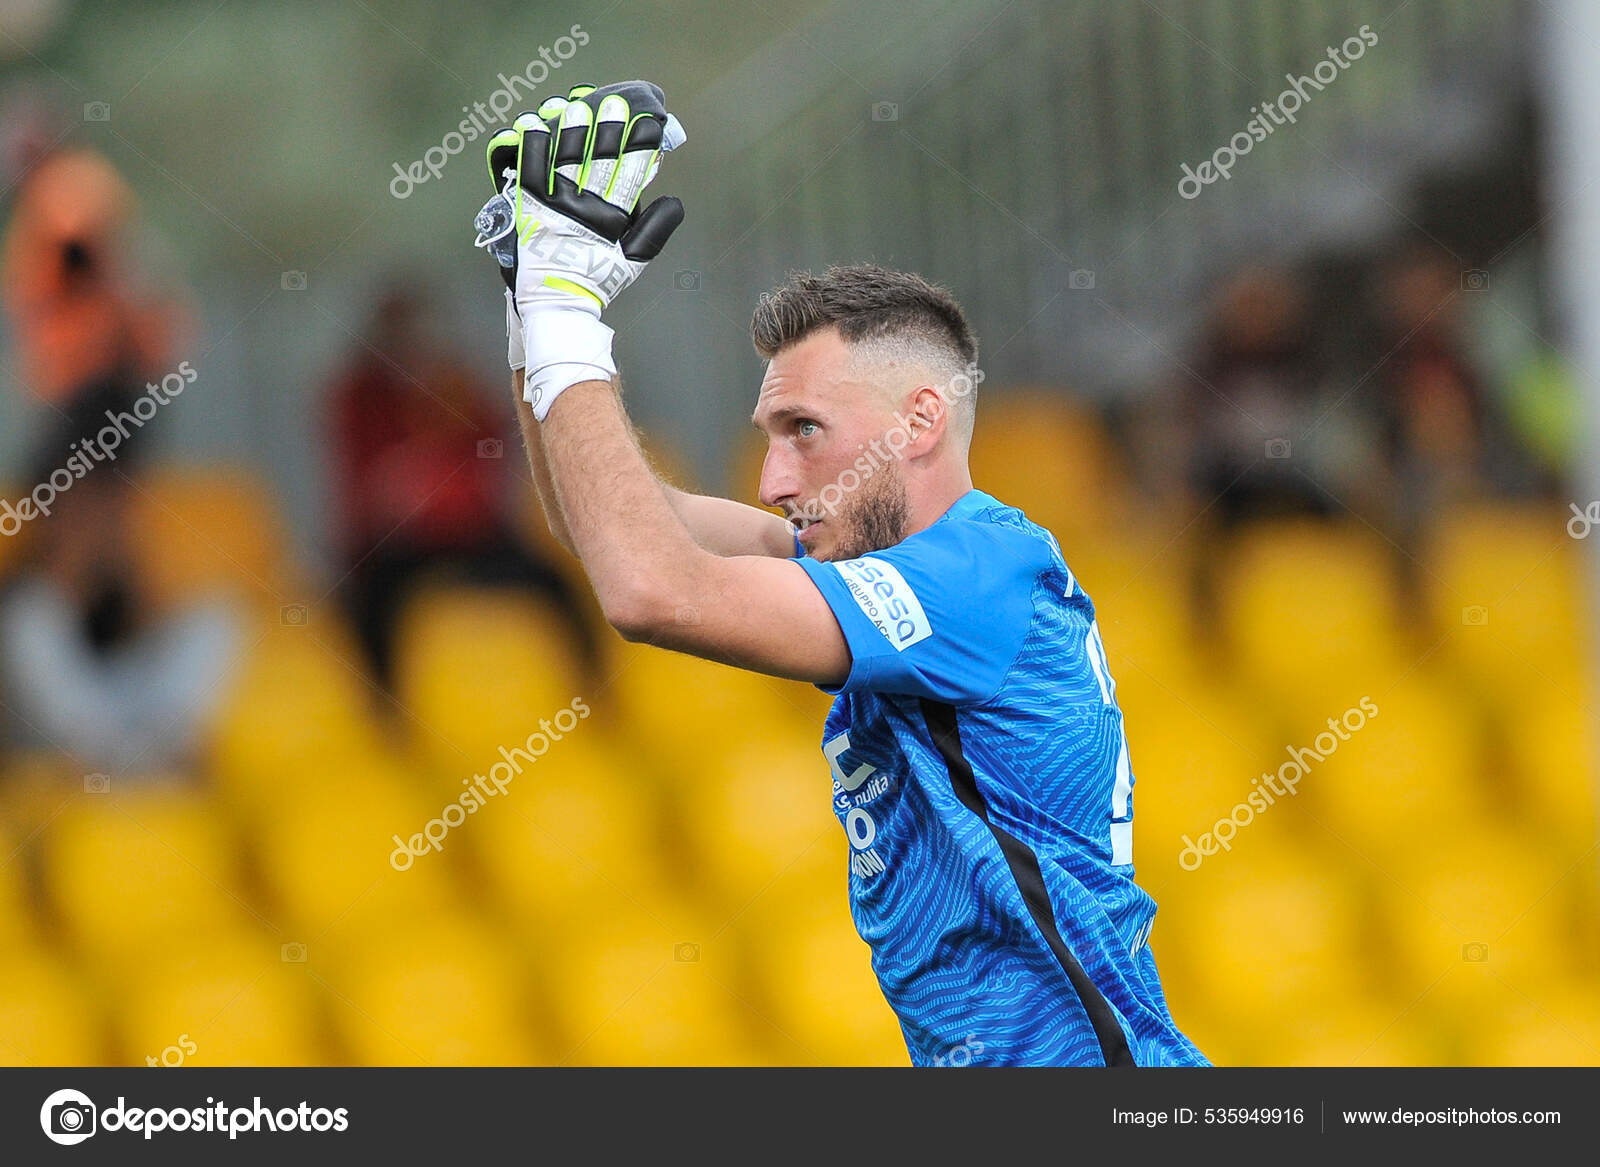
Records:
x=941, y=615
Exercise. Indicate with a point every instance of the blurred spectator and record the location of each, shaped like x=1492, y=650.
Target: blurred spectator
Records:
x=81, y=308
x=88, y=664
x=1253, y=396
x=1445, y=438
x=421, y=471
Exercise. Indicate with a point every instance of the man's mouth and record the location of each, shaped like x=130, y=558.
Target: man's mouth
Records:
x=804, y=528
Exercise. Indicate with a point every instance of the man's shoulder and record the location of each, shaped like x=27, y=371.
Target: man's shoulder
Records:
x=981, y=527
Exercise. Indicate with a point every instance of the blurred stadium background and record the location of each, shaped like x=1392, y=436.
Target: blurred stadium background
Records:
x=1312, y=436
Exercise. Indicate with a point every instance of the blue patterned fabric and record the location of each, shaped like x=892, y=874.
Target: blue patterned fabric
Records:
x=976, y=624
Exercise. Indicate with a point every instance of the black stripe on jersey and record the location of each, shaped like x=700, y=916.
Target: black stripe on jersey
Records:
x=1024, y=864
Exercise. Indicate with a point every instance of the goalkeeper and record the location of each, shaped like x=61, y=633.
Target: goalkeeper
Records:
x=980, y=770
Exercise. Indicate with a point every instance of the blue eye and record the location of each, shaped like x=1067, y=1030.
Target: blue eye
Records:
x=804, y=431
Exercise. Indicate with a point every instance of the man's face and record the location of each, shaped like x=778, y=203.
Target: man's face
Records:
x=828, y=465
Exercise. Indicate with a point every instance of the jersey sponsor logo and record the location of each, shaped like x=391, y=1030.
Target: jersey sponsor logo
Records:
x=862, y=831
x=831, y=750
x=887, y=599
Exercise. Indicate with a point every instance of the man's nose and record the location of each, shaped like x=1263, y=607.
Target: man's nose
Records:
x=777, y=479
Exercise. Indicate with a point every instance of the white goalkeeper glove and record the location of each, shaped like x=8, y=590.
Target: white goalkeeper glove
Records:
x=565, y=226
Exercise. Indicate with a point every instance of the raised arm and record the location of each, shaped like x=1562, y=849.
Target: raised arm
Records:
x=654, y=582
x=572, y=175
x=718, y=525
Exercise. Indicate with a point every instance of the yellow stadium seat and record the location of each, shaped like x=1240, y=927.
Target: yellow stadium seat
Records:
x=626, y=998
x=34, y=783
x=1505, y=587
x=754, y=810
x=1049, y=455
x=331, y=860
x=130, y=871
x=1310, y=614
x=18, y=924
x=1352, y=1029
x=576, y=835
x=435, y=990
x=1505, y=904
x=48, y=1016
x=229, y=1000
x=1264, y=935
x=1141, y=602
x=203, y=529
x=1193, y=753
x=1554, y=763
x=476, y=670
x=674, y=707
x=1395, y=773
x=297, y=711
x=816, y=979
x=1544, y=1027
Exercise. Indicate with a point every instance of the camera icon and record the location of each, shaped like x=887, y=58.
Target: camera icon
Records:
x=1475, y=953
x=686, y=953
x=1277, y=447
x=97, y=784
x=1474, y=615
x=292, y=953
x=294, y=281
x=1080, y=280
x=293, y=615
x=97, y=111
x=885, y=111
x=686, y=281
x=1474, y=279
x=71, y=1121
x=491, y=448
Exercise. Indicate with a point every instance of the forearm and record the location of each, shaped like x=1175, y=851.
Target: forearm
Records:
x=725, y=527
x=719, y=525
x=639, y=556
x=533, y=442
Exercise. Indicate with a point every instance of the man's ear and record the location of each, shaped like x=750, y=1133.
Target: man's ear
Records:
x=932, y=412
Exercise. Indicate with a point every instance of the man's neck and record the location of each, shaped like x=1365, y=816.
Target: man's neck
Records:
x=937, y=500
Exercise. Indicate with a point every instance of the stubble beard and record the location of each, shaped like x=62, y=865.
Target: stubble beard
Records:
x=876, y=518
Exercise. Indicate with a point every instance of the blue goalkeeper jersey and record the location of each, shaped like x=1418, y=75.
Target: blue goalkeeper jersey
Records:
x=981, y=775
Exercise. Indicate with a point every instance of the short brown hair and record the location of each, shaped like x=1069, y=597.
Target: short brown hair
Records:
x=864, y=302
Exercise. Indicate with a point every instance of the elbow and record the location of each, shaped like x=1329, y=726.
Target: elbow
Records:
x=637, y=610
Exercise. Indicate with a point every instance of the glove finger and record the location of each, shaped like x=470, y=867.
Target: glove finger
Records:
x=501, y=153
x=641, y=159
x=641, y=96
x=610, y=124
x=550, y=108
x=651, y=230
x=572, y=155
x=533, y=154
x=574, y=135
